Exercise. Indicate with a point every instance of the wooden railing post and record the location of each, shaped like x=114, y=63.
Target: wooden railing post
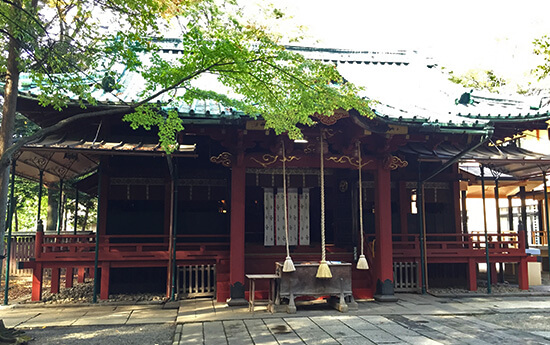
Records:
x=521, y=239
x=39, y=239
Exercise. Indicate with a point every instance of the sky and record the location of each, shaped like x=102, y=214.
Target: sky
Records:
x=459, y=35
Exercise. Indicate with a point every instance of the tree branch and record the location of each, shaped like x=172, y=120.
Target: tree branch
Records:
x=286, y=73
x=19, y=8
x=183, y=80
x=6, y=157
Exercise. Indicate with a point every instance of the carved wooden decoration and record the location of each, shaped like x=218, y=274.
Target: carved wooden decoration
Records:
x=268, y=159
x=330, y=120
x=224, y=158
x=394, y=162
x=350, y=160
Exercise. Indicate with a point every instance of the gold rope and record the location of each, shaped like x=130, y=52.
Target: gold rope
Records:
x=323, y=249
x=362, y=263
x=324, y=270
x=288, y=265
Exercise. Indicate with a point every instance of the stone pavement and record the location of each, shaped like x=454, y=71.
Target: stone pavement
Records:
x=414, y=319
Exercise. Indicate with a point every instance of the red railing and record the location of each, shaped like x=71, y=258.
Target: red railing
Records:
x=459, y=247
x=439, y=247
x=126, y=247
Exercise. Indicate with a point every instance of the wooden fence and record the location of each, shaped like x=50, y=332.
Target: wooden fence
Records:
x=22, y=249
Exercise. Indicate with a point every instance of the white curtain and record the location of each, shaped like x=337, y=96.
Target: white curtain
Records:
x=293, y=216
x=280, y=217
x=269, y=217
x=274, y=217
x=304, y=217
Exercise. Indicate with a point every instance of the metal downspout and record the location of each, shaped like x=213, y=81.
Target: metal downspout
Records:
x=420, y=211
x=546, y=216
x=60, y=207
x=96, y=258
x=487, y=261
x=499, y=227
x=75, y=211
x=175, y=233
x=10, y=218
x=173, y=169
x=40, y=182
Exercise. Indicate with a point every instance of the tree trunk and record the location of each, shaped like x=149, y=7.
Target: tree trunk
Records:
x=16, y=220
x=64, y=212
x=85, y=219
x=51, y=219
x=6, y=131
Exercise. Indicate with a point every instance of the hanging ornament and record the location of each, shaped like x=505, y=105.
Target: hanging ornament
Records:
x=362, y=263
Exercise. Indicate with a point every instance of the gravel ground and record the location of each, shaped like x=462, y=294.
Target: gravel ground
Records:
x=153, y=334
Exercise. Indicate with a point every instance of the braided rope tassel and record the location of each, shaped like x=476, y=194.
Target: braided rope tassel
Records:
x=362, y=263
x=288, y=266
x=323, y=271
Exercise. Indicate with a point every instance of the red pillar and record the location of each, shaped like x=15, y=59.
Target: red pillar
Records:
x=105, y=272
x=38, y=239
x=456, y=204
x=37, y=275
x=472, y=275
x=37, y=272
x=404, y=207
x=523, y=275
x=55, y=280
x=523, y=278
x=69, y=277
x=384, y=248
x=236, y=249
x=494, y=272
x=81, y=274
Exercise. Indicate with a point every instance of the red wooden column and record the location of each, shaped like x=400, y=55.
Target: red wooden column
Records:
x=69, y=273
x=101, y=241
x=384, y=249
x=472, y=275
x=404, y=207
x=523, y=275
x=37, y=276
x=37, y=272
x=55, y=280
x=81, y=274
x=105, y=275
x=236, y=249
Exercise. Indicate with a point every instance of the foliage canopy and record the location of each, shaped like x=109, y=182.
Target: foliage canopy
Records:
x=72, y=53
x=478, y=80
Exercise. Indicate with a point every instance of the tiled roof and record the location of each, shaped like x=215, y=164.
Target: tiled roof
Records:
x=128, y=145
x=336, y=56
x=406, y=87
x=509, y=160
x=62, y=158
